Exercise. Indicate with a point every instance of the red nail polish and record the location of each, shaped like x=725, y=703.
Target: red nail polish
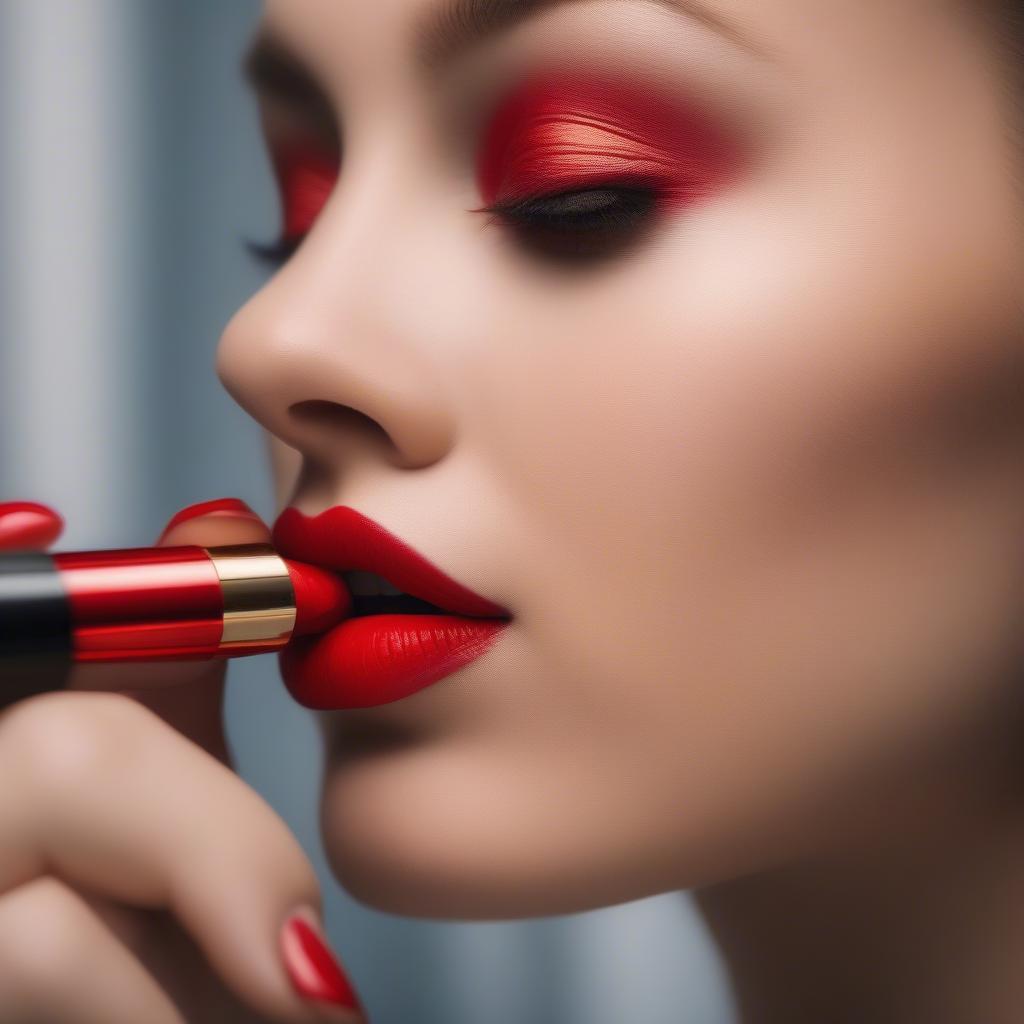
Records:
x=27, y=524
x=219, y=506
x=313, y=970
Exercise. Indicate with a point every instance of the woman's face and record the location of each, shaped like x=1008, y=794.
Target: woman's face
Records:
x=742, y=461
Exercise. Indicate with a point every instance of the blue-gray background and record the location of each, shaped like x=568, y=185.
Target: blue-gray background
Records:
x=131, y=169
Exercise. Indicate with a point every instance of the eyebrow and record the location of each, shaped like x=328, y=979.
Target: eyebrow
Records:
x=454, y=26
x=272, y=69
x=444, y=33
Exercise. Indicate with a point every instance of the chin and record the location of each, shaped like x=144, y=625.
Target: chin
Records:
x=403, y=842
x=428, y=833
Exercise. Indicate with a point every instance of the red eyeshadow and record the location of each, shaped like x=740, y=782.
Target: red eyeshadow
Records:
x=306, y=177
x=562, y=132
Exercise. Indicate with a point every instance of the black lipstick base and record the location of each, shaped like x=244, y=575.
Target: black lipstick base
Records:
x=35, y=627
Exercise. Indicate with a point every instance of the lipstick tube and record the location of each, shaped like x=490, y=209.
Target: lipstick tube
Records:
x=153, y=604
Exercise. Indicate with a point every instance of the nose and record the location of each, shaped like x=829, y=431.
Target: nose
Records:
x=330, y=355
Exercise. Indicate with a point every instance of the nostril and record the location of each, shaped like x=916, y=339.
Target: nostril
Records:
x=409, y=429
x=334, y=418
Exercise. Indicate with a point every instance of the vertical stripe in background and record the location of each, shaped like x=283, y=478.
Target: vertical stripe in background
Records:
x=67, y=365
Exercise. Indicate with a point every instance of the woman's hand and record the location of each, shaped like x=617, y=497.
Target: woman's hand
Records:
x=140, y=879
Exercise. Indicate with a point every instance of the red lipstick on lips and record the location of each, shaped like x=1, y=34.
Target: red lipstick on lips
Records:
x=372, y=659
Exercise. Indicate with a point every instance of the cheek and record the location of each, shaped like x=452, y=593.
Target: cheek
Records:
x=761, y=520
x=759, y=557
x=731, y=609
x=757, y=376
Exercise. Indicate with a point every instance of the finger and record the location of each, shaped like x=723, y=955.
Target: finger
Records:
x=60, y=962
x=211, y=523
x=171, y=957
x=27, y=525
x=112, y=799
x=188, y=695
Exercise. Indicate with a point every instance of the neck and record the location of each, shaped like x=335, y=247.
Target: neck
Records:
x=920, y=920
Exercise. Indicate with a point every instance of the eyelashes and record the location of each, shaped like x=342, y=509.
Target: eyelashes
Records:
x=577, y=225
x=581, y=224
x=276, y=253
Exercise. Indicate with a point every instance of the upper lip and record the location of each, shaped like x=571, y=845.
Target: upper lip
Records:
x=343, y=539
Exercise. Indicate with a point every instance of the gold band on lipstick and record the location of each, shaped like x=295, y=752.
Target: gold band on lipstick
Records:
x=259, y=599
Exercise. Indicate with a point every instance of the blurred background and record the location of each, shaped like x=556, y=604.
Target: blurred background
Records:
x=131, y=174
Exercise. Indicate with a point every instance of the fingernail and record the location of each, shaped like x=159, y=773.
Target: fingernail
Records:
x=219, y=506
x=28, y=524
x=313, y=969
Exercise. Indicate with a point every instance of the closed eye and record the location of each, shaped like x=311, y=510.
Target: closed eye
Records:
x=578, y=224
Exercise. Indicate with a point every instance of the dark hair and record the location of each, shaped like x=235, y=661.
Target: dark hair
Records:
x=1004, y=20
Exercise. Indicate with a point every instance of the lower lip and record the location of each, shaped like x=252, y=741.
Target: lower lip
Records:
x=377, y=659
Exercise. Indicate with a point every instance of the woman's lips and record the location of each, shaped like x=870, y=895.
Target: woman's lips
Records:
x=377, y=659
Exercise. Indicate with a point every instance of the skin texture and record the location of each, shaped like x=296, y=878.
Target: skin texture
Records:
x=751, y=489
